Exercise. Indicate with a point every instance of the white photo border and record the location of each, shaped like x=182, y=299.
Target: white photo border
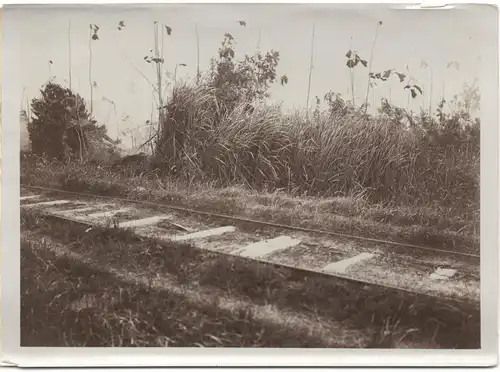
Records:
x=14, y=354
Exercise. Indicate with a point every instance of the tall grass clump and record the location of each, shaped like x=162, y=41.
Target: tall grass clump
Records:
x=328, y=154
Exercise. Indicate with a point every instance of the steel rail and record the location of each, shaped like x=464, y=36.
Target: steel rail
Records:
x=265, y=223
x=297, y=269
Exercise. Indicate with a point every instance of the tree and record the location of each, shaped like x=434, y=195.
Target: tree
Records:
x=61, y=125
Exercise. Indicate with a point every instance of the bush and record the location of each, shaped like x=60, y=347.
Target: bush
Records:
x=229, y=83
x=61, y=127
x=325, y=155
x=220, y=129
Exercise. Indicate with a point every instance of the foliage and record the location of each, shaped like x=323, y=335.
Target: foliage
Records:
x=220, y=130
x=386, y=75
x=231, y=84
x=469, y=100
x=94, y=29
x=61, y=127
x=248, y=79
x=353, y=59
x=394, y=157
x=337, y=106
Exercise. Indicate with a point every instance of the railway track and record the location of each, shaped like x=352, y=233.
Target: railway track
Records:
x=406, y=267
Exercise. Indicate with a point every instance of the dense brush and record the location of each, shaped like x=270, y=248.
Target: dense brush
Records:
x=324, y=154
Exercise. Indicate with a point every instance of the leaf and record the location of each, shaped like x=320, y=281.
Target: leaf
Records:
x=418, y=88
x=413, y=93
x=401, y=76
x=50, y=62
x=350, y=63
x=349, y=54
x=387, y=73
x=317, y=100
x=169, y=30
x=182, y=64
x=363, y=62
x=284, y=80
x=121, y=24
x=95, y=37
x=380, y=23
x=407, y=87
x=242, y=23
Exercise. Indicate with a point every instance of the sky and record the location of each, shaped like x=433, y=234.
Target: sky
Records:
x=404, y=40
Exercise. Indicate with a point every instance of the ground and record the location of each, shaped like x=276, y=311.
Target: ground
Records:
x=114, y=288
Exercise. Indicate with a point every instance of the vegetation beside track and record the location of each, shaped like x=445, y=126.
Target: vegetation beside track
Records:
x=435, y=227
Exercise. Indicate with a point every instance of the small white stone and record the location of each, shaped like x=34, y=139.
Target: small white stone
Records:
x=446, y=272
x=442, y=274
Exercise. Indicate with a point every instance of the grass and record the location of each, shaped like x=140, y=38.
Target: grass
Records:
x=69, y=303
x=377, y=317
x=436, y=226
x=328, y=154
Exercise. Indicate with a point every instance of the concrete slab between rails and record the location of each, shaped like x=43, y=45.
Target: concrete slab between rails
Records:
x=144, y=221
x=265, y=247
x=108, y=214
x=201, y=234
x=28, y=197
x=47, y=203
x=343, y=266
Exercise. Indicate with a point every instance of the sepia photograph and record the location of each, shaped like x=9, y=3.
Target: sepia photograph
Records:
x=250, y=175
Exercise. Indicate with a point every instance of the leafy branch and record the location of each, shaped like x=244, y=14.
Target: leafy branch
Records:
x=413, y=89
x=353, y=59
x=386, y=75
